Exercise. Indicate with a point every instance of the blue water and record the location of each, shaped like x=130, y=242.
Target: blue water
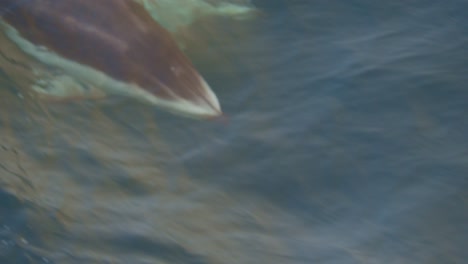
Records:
x=346, y=143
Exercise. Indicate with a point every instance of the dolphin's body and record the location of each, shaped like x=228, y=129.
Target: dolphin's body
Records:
x=112, y=44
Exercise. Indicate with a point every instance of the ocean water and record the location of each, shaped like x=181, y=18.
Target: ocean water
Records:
x=346, y=143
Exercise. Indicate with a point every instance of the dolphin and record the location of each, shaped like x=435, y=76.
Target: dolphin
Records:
x=114, y=45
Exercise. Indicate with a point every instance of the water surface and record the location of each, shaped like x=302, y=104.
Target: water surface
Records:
x=346, y=143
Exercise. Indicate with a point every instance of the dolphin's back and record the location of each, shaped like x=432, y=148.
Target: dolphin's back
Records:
x=117, y=37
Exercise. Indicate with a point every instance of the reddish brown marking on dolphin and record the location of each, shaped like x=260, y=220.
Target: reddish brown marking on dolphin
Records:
x=118, y=38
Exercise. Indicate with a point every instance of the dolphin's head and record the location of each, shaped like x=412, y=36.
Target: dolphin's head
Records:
x=163, y=74
x=172, y=82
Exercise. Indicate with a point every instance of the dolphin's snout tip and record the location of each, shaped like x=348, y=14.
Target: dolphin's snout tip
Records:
x=202, y=104
x=209, y=101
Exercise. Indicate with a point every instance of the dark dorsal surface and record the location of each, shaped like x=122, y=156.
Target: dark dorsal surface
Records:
x=116, y=37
